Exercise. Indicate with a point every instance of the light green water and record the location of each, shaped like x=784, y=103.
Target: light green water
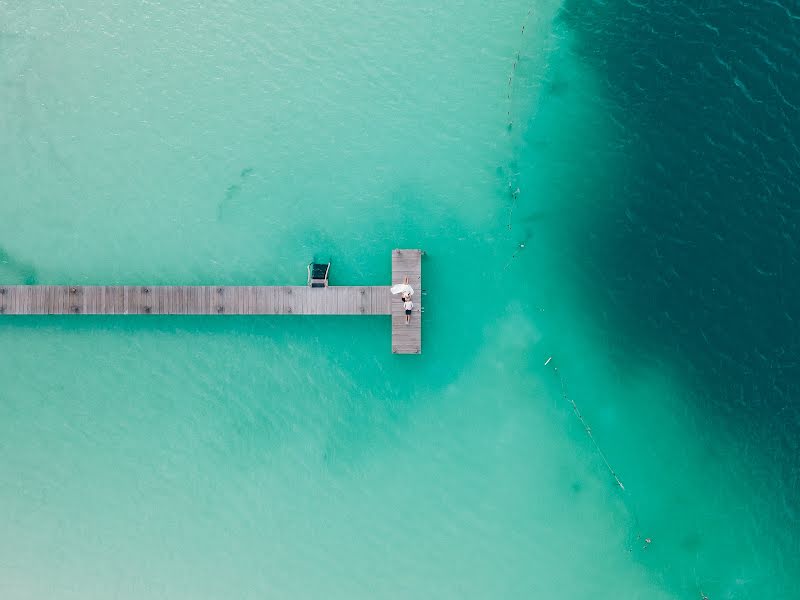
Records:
x=297, y=457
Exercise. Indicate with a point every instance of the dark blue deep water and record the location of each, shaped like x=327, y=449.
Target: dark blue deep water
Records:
x=692, y=257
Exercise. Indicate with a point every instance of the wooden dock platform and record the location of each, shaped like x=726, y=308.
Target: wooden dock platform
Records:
x=230, y=300
x=407, y=338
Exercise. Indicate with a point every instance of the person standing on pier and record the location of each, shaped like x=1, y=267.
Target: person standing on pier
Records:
x=408, y=305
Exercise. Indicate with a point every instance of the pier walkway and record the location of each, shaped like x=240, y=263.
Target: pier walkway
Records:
x=231, y=300
x=407, y=339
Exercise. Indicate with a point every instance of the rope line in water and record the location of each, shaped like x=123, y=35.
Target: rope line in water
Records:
x=519, y=249
x=510, y=90
x=514, y=196
x=509, y=120
x=585, y=425
x=514, y=193
x=636, y=523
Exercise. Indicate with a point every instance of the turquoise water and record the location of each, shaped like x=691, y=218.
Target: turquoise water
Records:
x=297, y=457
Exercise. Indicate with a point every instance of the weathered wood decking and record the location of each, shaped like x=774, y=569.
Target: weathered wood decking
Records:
x=231, y=300
x=407, y=338
x=194, y=300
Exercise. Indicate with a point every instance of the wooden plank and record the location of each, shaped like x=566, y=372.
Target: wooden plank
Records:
x=248, y=300
x=118, y=298
x=84, y=300
x=22, y=301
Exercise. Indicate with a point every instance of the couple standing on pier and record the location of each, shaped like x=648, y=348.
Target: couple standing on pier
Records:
x=405, y=291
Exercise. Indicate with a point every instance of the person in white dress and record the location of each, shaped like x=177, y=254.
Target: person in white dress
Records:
x=405, y=291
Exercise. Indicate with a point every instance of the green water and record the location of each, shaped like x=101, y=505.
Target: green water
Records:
x=230, y=143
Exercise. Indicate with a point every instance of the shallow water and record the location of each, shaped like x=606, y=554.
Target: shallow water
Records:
x=296, y=457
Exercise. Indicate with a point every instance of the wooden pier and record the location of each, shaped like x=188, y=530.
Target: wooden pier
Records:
x=232, y=300
x=407, y=338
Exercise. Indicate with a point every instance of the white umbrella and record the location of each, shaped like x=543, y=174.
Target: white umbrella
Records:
x=402, y=288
